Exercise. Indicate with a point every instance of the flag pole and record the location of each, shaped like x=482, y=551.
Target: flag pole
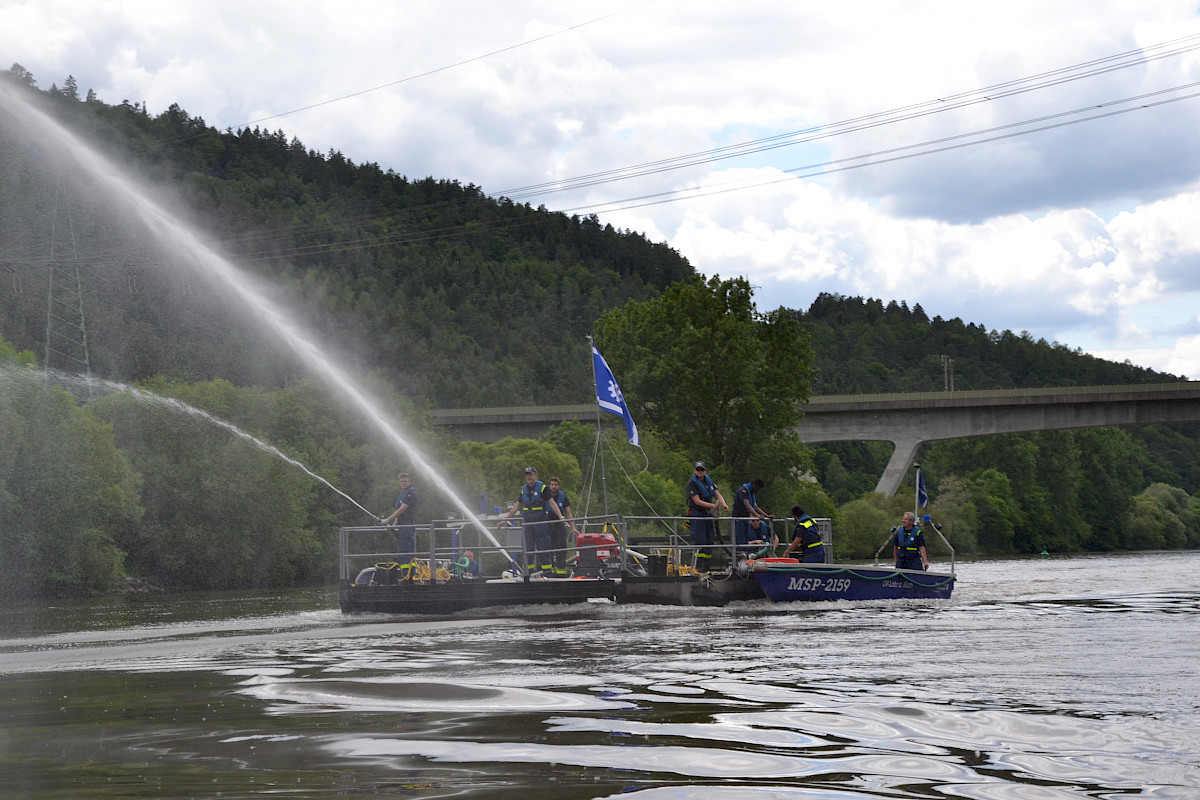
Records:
x=599, y=435
x=917, y=493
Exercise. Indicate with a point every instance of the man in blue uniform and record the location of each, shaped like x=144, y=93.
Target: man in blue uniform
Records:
x=908, y=546
x=537, y=507
x=748, y=532
x=558, y=528
x=405, y=517
x=806, y=539
x=703, y=498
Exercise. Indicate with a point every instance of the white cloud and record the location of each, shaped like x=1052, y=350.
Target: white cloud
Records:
x=1084, y=231
x=1060, y=271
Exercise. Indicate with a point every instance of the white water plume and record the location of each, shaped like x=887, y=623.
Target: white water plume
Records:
x=56, y=141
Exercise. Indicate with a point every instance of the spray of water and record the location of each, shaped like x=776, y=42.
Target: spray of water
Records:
x=91, y=386
x=168, y=229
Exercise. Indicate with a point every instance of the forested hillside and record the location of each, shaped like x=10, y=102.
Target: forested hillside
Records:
x=864, y=346
x=459, y=298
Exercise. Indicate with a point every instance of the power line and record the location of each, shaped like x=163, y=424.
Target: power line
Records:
x=426, y=73
x=991, y=93
x=938, y=105
x=1055, y=77
x=895, y=153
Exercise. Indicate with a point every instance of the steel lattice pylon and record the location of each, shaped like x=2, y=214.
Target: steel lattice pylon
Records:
x=66, y=330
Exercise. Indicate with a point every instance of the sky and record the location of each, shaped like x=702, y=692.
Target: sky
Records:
x=1030, y=165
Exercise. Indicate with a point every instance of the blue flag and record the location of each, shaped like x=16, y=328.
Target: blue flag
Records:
x=922, y=495
x=608, y=394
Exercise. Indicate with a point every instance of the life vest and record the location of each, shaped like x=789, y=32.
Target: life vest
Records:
x=532, y=508
x=805, y=529
x=906, y=540
x=707, y=489
x=739, y=509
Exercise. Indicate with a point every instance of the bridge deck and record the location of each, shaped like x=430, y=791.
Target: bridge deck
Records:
x=905, y=419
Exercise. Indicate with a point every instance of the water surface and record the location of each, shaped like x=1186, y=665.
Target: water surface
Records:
x=1052, y=678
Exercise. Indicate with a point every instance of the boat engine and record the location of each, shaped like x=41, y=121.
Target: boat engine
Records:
x=382, y=574
x=599, y=555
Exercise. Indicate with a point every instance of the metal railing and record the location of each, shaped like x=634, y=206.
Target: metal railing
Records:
x=442, y=543
x=642, y=544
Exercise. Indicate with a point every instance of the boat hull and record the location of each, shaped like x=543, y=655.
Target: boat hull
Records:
x=783, y=583
x=411, y=597
x=688, y=590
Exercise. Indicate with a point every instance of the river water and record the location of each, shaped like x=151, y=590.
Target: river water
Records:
x=1041, y=679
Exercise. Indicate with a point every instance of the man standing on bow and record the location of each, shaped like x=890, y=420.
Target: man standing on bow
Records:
x=908, y=546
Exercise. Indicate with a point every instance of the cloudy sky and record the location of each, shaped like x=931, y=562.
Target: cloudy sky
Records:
x=1031, y=165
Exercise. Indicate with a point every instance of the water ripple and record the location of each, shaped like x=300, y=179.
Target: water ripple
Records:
x=384, y=695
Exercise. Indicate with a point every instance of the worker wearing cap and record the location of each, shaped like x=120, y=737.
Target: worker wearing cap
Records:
x=405, y=517
x=703, y=498
x=537, y=507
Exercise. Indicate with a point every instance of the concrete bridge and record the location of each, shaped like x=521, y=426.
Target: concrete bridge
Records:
x=906, y=420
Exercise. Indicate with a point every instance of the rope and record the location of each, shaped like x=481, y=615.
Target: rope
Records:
x=629, y=478
x=591, y=476
x=418, y=570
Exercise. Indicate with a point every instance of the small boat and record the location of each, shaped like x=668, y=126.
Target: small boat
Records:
x=784, y=582
x=601, y=566
x=660, y=571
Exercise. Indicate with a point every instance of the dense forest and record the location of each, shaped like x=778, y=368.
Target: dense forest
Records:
x=438, y=295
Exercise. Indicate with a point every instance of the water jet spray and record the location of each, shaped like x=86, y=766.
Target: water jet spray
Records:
x=99, y=385
x=163, y=225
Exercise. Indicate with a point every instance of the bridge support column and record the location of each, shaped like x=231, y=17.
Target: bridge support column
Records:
x=893, y=474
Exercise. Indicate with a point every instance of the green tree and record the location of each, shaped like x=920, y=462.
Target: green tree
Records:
x=862, y=526
x=1110, y=469
x=954, y=507
x=219, y=511
x=67, y=494
x=1161, y=517
x=638, y=482
x=713, y=376
x=999, y=514
x=501, y=467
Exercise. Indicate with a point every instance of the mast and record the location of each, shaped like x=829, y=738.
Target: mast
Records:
x=917, y=486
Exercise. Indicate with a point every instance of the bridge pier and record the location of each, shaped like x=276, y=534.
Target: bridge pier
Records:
x=897, y=466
